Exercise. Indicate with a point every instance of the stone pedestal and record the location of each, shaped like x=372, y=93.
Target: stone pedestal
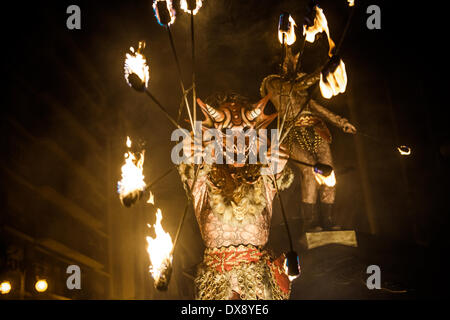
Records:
x=312, y=240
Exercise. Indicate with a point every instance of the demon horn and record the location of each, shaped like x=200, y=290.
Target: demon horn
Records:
x=216, y=115
x=258, y=109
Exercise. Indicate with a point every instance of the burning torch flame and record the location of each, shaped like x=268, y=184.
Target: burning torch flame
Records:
x=184, y=6
x=136, y=63
x=351, y=3
x=320, y=25
x=151, y=198
x=159, y=250
x=289, y=37
x=170, y=9
x=132, y=183
x=329, y=181
x=404, y=150
x=335, y=82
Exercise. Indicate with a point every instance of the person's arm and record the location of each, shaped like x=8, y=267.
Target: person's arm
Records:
x=338, y=121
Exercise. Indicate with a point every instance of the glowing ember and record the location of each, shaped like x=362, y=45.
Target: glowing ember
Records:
x=136, y=63
x=404, y=150
x=185, y=8
x=335, y=81
x=320, y=25
x=164, y=21
x=160, y=252
x=289, y=32
x=329, y=181
x=132, y=184
x=351, y=3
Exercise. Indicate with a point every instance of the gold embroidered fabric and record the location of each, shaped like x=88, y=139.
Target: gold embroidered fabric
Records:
x=247, y=270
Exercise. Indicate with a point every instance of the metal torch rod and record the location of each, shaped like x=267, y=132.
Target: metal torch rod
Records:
x=194, y=94
x=347, y=25
x=159, y=178
x=302, y=48
x=281, y=75
x=180, y=225
x=283, y=214
x=186, y=208
x=177, y=62
x=171, y=119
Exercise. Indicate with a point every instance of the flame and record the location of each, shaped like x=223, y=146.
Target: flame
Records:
x=170, y=9
x=329, y=181
x=335, y=82
x=351, y=3
x=137, y=63
x=404, y=150
x=184, y=6
x=132, y=177
x=159, y=249
x=289, y=38
x=320, y=25
x=151, y=198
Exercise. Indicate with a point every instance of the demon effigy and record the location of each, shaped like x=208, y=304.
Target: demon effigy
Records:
x=308, y=140
x=233, y=207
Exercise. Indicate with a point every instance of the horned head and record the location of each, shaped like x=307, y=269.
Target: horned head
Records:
x=236, y=113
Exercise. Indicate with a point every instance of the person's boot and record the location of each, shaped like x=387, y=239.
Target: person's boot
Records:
x=327, y=220
x=309, y=218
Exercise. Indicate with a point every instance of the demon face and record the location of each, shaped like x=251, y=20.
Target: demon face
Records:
x=238, y=125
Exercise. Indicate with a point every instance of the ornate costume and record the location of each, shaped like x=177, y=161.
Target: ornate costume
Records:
x=233, y=207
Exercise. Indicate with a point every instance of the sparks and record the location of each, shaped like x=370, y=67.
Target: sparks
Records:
x=136, y=64
x=185, y=7
x=320, y=25
x=171, y=12
x=288, y=31
x=132, y=183
x=160, y=251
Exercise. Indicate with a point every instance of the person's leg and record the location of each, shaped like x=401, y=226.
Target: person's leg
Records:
x=327, y=194
x=307, y=217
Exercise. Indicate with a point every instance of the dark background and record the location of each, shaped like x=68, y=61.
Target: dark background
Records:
x=67, y=111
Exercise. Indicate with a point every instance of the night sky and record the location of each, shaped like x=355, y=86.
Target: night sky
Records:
x=55, y=75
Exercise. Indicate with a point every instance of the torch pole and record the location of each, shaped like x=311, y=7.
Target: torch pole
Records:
x=347, y=25
x=177, y=62
x=281, y=76
x=302, y=48
x=180, y=225
x=283, y=214
x=171, y=119
x=194, y=94
x=159, y=178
